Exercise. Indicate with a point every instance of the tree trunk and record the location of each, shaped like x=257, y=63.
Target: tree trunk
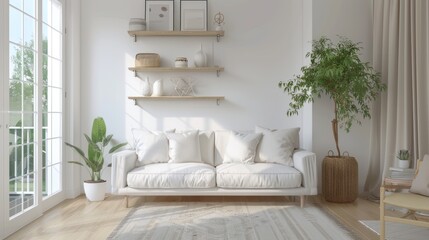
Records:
x=335, y=130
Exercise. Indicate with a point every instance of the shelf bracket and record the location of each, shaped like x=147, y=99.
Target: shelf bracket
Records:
x=135, y=37
x=135, y=73
x=218, y=73
x=218, y=101
x=218, y=38
x=135, y=102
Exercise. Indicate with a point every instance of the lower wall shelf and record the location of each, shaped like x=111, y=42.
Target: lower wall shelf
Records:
x=217, y=98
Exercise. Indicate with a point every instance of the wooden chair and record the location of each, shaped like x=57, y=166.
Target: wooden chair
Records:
x=412, y=202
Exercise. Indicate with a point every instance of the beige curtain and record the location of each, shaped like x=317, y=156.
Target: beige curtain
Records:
x=400, y=118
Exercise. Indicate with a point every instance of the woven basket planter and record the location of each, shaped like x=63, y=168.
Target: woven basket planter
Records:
x=340, y=179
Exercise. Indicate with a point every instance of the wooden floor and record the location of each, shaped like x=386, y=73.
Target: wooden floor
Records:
x=79, y=219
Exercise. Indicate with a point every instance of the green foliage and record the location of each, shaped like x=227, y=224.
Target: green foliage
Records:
x=96, y=148
x=336, y=71
x=403, y=154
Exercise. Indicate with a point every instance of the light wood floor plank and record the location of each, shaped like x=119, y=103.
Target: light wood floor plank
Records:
x=79, y=219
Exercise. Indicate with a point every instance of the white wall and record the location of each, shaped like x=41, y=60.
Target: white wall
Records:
x=263, y=44
x=352, y=19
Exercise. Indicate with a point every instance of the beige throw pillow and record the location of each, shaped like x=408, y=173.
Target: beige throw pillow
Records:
x=420, y=184
x=241, y=147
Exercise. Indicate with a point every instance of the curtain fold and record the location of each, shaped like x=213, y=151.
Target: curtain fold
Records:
x=401, y=113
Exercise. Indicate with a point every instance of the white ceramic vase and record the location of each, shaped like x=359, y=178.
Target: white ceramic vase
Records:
x=146, y=89
x=157, y=88
x=95, y=191
x=200, y=58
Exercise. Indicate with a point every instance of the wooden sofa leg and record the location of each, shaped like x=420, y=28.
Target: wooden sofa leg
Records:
x=302, y=199
x=126, y=201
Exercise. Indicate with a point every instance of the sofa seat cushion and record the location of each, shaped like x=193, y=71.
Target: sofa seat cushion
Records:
x=172, y=175
x=258, y=175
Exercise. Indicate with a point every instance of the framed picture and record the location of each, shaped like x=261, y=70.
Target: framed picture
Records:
x=159, y=15
x=193, y=15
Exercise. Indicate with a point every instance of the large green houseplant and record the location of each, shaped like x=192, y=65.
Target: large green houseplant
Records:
x=336, y=70
x=94, y=162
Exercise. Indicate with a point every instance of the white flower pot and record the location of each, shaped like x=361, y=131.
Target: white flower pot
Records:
x=403, y=163
x=95, y=191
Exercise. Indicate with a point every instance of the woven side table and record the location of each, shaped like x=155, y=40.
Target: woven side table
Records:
x=340, y=179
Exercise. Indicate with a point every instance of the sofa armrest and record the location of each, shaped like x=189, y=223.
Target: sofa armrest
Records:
x=305, y=162
x=122, y=163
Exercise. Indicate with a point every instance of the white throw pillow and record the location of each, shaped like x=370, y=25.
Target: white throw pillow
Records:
x=184, y=147
x=277, y=146
x=294, y=133
x=420, y=184
x=241, y=147
x=151, y=147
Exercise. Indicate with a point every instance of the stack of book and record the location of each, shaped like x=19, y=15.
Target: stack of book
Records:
x=401, y=176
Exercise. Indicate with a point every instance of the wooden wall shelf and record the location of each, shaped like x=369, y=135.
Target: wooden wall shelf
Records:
x=217, y=98
x=216, y=69
x=216, y=34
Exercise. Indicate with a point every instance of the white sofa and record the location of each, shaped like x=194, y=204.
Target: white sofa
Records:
x=212, y=175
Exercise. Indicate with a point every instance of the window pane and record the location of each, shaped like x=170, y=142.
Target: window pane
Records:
x=54, y=125
x=44, y=154
x=15, y=197
x=28, y=96
x=48, y=153
x=54, y=99
x=56, y=15
x=29, y=32
x=29, y=7
x=46, y=35
x=15, y=62
x=15, y=95
x=46, y=8
x=56, y=80
x=15, y=25
x=28, y=191
x=29, y=66
x=56, y=44
x=28, y=159
x=56, y=178
x=16, y=3
x=15, y=131
x=56, y=150
x=15, y=161
x=28, y=120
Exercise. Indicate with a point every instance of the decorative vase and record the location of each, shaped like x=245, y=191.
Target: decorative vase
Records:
x=95, y=191
x=200, y=58
x=146, y=89
x=157, y=88
x=403, y=163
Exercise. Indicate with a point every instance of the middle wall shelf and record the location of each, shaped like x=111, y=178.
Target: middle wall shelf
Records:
x=215, y=69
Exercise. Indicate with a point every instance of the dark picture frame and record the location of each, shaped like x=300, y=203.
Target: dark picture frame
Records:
x=193, y=15
x=159, y=15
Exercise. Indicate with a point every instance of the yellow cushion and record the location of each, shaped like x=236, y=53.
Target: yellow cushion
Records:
x=408, y=200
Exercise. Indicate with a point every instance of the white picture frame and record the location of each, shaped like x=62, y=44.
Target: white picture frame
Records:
x=193, y=15
x=159, y=15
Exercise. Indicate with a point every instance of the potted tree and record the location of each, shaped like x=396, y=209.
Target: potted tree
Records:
x=335, y=70
x=403, y=158
x=95, y=188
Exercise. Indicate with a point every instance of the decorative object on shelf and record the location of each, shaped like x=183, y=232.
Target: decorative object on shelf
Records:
x=403, y=158
x=157, y=88
x=183, y=87
x=146, y=89
x=193, y=15
x=181, y=62
x=159, y=15
x=96, y=187
x=200, y=58
x=219, y=19
x=147, y=60
x=137, y=24
x=333, y=65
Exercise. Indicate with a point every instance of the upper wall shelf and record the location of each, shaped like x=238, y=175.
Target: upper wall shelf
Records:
x=216, y=34
x=174, y=69
x=217, y=98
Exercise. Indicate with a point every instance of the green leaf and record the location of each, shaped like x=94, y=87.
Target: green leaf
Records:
x=75, y=162
x=78, y=150
x=98, y=130
x=107, y=140
x=115, y=148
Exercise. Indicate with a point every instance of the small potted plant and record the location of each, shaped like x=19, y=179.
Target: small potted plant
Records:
x=403, y=158
x=95, y=188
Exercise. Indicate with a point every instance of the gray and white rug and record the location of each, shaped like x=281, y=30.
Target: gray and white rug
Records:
x=399, y=231
x=181, y=220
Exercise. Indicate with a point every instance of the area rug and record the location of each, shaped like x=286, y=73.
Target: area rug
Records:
x=202, y=220
x=398, y=231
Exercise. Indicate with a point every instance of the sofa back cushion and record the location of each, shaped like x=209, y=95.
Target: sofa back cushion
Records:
x=207, y=144
x=184, y=147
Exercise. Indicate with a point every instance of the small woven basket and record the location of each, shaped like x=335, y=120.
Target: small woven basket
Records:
x=147, y=60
